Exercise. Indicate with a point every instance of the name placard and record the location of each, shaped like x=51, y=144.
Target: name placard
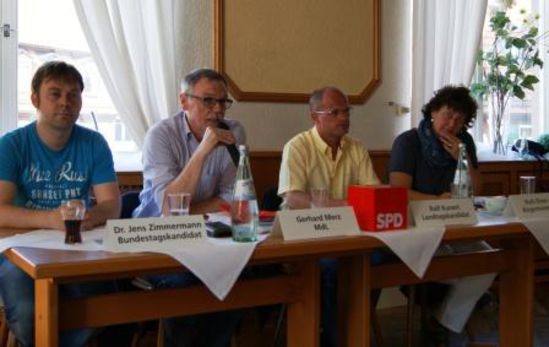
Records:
x=154, y=234
x=316, y=223
x=528, y=206
x=443, y=212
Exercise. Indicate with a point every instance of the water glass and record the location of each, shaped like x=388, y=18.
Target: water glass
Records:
x=527, y=184
x=73, y=212
x=178, y=204
x=319, y=197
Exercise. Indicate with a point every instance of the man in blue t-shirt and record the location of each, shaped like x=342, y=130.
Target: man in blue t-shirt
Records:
x=44, y=163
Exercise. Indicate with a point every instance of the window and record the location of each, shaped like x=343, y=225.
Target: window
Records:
x=42, y=37
x=528, y=117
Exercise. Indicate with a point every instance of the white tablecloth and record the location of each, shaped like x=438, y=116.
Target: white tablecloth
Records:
x=217, y=262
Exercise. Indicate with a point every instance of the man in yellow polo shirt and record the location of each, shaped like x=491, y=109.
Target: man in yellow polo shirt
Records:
x=325, y=157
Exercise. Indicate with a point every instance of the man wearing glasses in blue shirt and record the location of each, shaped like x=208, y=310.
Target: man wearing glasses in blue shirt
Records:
x=187, y=153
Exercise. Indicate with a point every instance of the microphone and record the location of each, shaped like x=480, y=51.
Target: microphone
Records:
x=231, y=148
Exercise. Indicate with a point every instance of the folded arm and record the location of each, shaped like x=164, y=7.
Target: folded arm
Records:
x=401, y=179
x=210, y=205
x=189, y=177
x=299, y=200
x=107, y=197
x=19, y=217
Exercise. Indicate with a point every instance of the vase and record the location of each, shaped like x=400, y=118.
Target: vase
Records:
x=498, y=144
x=499, y=119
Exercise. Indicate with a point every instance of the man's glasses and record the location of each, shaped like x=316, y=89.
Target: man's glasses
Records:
x=334, y=112
x=210, y=102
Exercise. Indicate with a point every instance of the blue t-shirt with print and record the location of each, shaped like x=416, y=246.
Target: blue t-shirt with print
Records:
x=45, y=177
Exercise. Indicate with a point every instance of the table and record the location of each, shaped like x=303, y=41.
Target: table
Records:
x=298, y=289
x=513, y=260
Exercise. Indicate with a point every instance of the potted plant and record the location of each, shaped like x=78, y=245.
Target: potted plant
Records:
x=508, y=67
x=544, y=141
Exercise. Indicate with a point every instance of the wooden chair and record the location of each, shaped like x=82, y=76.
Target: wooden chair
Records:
x=6, y=336
x=4, y=331
x=410, y=316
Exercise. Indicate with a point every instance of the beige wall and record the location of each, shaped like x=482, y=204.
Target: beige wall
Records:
x=270, y=125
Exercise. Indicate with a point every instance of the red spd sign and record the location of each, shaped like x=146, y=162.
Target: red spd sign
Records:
x=379, y=208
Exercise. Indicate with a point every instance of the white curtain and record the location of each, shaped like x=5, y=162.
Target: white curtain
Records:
x=135, y=45
x=446, y=38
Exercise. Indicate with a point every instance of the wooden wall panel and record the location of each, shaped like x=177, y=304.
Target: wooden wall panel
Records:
x=502, y=177
x=496, y=183
x=499, y=178
x=265, y=166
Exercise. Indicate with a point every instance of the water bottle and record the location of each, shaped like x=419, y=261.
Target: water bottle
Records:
x=244, y=210
x=461, y=187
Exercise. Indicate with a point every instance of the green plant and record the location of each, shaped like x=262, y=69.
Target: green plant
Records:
x=544, y=140
x=508, y=66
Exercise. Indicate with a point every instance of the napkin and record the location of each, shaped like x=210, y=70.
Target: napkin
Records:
x=538, y=228
x=414, y=246
x=217, y=262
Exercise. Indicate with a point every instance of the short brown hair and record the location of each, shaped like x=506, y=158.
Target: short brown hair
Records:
x=56, y=70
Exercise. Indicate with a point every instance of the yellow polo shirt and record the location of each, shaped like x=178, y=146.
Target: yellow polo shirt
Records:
x=307, y=163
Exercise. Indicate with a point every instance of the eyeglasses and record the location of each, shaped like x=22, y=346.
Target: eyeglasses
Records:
x=210, y=102
x=333, y=112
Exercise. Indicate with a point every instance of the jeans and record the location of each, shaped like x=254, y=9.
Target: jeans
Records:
x=209, y=329
x=17, y=291
x=328, y=293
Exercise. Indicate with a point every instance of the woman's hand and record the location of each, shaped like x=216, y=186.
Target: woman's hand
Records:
x=450, y=144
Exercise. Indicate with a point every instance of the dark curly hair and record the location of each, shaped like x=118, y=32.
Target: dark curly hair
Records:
x=456, y=98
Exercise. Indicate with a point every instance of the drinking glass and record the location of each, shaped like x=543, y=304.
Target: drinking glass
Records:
x=73, y=212
x=527, y=184
x=179, y=203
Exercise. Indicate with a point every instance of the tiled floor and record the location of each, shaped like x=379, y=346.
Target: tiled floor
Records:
x=482, y=326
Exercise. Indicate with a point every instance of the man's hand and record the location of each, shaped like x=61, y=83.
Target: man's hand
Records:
x=87, y=223
x=213, y=136
x=54, y=219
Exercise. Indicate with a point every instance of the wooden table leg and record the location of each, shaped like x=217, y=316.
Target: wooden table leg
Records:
x=304, y=315
x=357, y=302
x=46, y=319
x=516, y=315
